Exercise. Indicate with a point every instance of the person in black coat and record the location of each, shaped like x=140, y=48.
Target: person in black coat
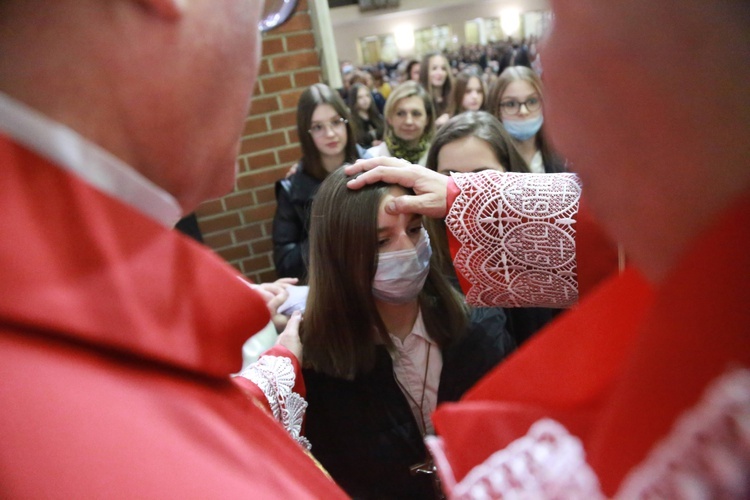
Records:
x=385, y=339
x=327, y=142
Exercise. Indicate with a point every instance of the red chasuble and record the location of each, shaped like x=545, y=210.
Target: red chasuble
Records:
x=117, y=339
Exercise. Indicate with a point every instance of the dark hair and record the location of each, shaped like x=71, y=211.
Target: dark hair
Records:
x=459, y=89
x=514, y=56
x=342, y=327
x=552, y=161
x=440, y=102
x=309, y=100
x=409, y=68
x=372, y=114
x=486, y=127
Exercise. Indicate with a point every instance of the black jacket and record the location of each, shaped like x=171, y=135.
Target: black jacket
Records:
x=363, y=431
x=291, y=223
x=367, y=131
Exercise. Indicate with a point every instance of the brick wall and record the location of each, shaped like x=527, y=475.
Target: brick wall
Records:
x=238, y=226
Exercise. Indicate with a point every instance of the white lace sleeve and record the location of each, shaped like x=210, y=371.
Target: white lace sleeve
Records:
x=274, y=375
x=517, y=237
x=706, y=455
x=546, y=463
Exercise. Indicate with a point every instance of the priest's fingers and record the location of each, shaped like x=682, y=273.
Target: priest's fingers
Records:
x=289, y=338
x=274, y=294
x=370, y=163
x=429, y=187
x=286, y=281
x=428, y=204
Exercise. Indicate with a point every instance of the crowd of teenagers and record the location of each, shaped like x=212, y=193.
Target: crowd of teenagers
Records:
x=451, y=317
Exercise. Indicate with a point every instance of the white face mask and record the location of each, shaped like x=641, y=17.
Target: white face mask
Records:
x=401, y=274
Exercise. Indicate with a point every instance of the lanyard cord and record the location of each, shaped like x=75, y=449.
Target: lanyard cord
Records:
x=427, y=466
x=420, y=405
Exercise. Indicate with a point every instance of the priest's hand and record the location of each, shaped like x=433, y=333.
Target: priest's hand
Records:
x=289, y=338
x=430, y=187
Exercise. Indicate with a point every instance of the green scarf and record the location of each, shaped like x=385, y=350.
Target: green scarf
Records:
x=400, y=149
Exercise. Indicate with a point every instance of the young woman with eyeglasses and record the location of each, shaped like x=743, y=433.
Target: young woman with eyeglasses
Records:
x=327, y=142
x=409, y=124
x=516, y=97
x=385, y=338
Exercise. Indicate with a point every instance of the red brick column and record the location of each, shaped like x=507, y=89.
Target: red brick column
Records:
x=238, y=226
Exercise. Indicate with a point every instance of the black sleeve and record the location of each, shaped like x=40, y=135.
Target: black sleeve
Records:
x=485, y=345
x=290, y=245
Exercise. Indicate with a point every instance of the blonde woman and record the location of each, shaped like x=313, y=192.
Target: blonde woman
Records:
x=409, y=124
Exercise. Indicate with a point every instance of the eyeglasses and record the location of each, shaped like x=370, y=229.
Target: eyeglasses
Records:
x=275, y=13
x=512, y=107
x=320, y=129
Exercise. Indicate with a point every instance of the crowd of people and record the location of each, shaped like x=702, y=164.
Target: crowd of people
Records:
x=400, y=120
x=410, y=373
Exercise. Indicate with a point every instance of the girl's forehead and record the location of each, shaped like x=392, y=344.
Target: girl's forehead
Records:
x=519, y=87
x=324, y=112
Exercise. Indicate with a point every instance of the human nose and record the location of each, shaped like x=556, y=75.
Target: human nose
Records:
x=409, y=118
x=523, y=109
x=329, y=129
x=403, y=241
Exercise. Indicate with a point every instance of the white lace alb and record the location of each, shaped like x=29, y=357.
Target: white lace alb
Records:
x=517, y=237
x=274, y=375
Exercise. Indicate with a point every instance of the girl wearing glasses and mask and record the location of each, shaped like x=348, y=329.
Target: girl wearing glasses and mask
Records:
x=516, y=98
x=409, y=124
x=327, y=142
x=385, y=339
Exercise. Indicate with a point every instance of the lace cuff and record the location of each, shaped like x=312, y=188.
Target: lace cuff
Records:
x=705, y=455
x=274, y=375
x=517, y=238
x=546, y=463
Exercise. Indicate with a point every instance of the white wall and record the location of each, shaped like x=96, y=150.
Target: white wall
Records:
x=349, y=25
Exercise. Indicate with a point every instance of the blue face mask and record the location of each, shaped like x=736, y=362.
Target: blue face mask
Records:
x=522, y=130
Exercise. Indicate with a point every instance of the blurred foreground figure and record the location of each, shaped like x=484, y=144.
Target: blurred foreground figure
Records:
x=643, y=389
x=117, y=334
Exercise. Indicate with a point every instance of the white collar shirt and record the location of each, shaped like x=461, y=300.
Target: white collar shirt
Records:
x=70, y=151
x=410, y=358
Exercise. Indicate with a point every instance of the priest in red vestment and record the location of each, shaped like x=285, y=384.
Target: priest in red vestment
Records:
x=118, y=335
x=642, y=390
